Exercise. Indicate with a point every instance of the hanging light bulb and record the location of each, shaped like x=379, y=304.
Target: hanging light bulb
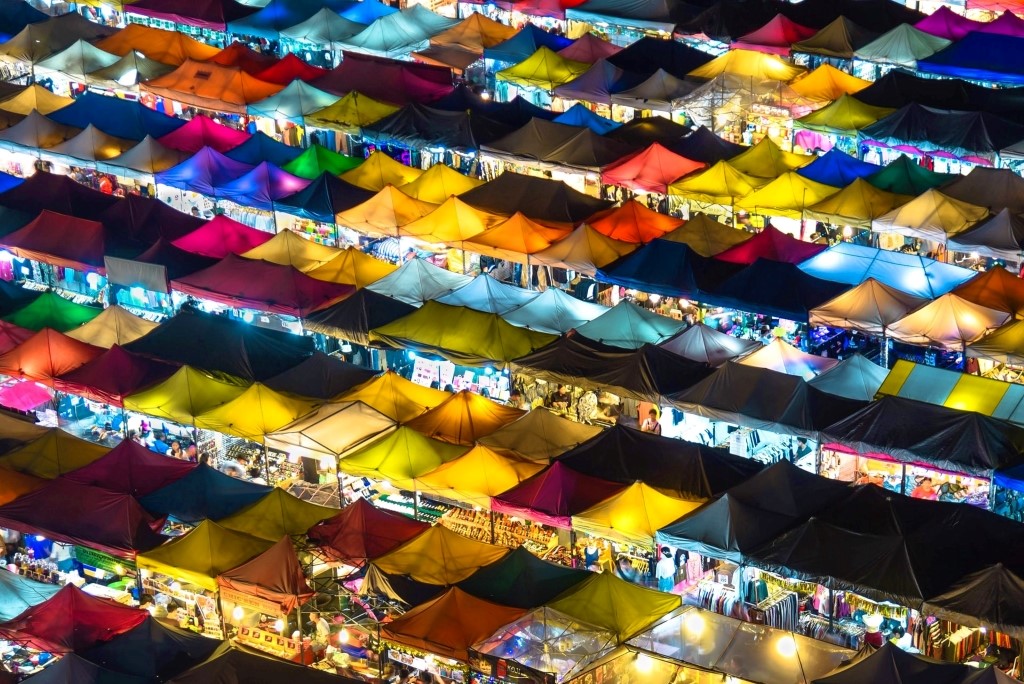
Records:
x=237, y=614
x=279, y=626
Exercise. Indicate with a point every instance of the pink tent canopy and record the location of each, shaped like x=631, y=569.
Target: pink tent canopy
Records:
x=263, y=286
x=24, y=395
x=362, y=532
x=209, y=14
x=130, y=468
x=202, y=131
x=222, y=236
x=771, y=244
x=554, y=495
x=262, y=186
x=775, y=37
x=651, y=170
x=589, y=48
x=1006, y=24
x=288, y=69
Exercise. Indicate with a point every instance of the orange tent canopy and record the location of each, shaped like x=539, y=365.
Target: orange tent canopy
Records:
x=516, y=237
x=167, y=47
x=651, y=170
x=633, y=222
x=997, y=289
x=46, y=355
x=14, y=484
x=464, y=418
x=211, y=86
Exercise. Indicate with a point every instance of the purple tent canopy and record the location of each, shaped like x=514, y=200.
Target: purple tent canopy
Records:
x=554, y=495
x=262, y=186
x=130, y=468
x=113, y=375
x=204, y=172
x=947, y=24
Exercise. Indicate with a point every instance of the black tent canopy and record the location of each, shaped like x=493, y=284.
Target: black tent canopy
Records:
x=541, y=199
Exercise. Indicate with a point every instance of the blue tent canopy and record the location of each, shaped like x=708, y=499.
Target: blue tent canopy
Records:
x=396, y=35
x=366, y=11
x=282, y=14
x=203, y=172
x=982, y=57
x=578, y=115
x=152, y=650
x=484, y=293
x=837, y=169
x=525, y=43
x=775, y=288
x=7, y=181
x=262, y=187
x=322, y=199
x=667, y=268
x=116, y=117
x=203, y=494
x=853, y=264
x=19, y=593
x=262, y=148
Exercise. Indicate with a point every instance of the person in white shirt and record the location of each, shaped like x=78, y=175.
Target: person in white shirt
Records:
x=323, y=628
x=665, y=570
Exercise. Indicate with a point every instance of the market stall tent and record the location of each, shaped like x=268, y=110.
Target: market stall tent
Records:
x=203, y=494
x=363, y=532
x=782, y=357
x=554, y=312
x=905, y=177
x=954, y=390
x=113, y=375
x=540, y=199
x=858, y=204
x=353, y=318
x=221, y=236
x=149, y=156
x=707, y=345
x=947, y=24
x=614, y=604
x=930, y=216
x=45, y=356
x=774, y=37
x=753, y=65
x=439, y=556
x=331, y=430
x=186, y=394
x=540, y=435
x=651, y=170
x=50, y=192
x=395, y=397
x=71, y=620
x=977, y=136
x=260, y=147
x=979, y=56
x=203, y=172
x=463, y=418
x=400, y=458
x=596, y=84
x=578, y=115
x=986, y=598
x=585, y=250
x=476, y=476
x=50, y=310
x=870, y=307
x=554, y=495
x=903, y=46
x=130, y=468
x=837, y=169
x=276, y=516
x=166, y=46
x=39, y=40
x=789, y=195
x=210, y=86
x=417, y=281
x=844, y=116
x=720, y=184
x=522, y=580
x=323, y=198
x=996, y=288
x=767, y=160
x=438, y=183
x=53, y=454
x=19, y=593
x=453, y=222
x=950, y=322
x=16, y=485
x=151, y=650
x=75, y=61
x=289, y=249
x=628, y=326
x=631, y=516
x=275, y=575
x=515, y=239
x=386, y=213
x=854, y=378
x=254, y=414
x=706, y=236
x=890, y=663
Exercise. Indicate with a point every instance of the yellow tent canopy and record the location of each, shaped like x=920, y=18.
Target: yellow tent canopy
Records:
x=477, y=475
x=721, y=184
x=34, y=98
x=544, y=69
x=756, y=65
x=55, y=453
x=460, y=334
x=185, y=395
x=614, y=604
x=331, y=430
x=540, y=435
x=953, y=389
x=277, y=515
x=858, y=204
x=768, y=160
x=438, y=183
x=950, y=321
x=464, y=418
x=352, y=111
x=116, y=325
x=474, y=33
x=515, y=238
x=384, y=214
x=395, y=397
x=439, y=556
x=167, y=47
x=378, y=171
x=930, y=216
x=845, y=116
x=254, y=413
x=584, y=250
x=788, y=195
x=632, y=516
x=400, y=458
x=288, y=248
x=451, y=223
x=826, y=83
x=706, y=236
x=353, y=267
x=202, y=554
x=1005, y=345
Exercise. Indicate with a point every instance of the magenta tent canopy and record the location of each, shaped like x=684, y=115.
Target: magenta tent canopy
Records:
x=203, y=172
x=222, y=236
x=947, y=24
x=1006, y=24
x=771, y=244
x=59, y=240
x=202, y=131
x=113, y=375
x=554, y=495
x=387, y=80
x=76, y=513
x=130, y=468
x=263, y=286
x=262, y=187
x=208, y=14
x=775, y=37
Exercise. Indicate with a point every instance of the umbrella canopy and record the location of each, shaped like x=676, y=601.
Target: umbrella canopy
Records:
x=202, y=553
x=463, y=418
x=400, y=457
x=395, y=397
x=613, y=604
x=871, y=308
x=949, y=321
x=205, y=494
x=362, y=532
x=332, y=430
x=439, y=556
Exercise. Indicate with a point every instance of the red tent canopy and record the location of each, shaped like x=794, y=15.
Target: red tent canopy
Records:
x=771, y=244
x=775, y=37
x=12, y=335
x=222, y=236
x=244, y=57
x=274, y=575
x=44, y=190
x=554, y=495
x=130, y=468
x=387, y=80
x=202, y=131
x=263, y=286
x=208, y=14
x=650, y=170
x=288, y=69
x=633, y=222
x=46, y=355
x=113, y=375
x=71, y=620
x=362, y=532
x=59, y=240
x=76, y=513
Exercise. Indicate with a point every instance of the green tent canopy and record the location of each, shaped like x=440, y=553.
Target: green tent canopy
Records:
x=400, y=458
x=905, y=177
x=50, y=310
x=317, y=160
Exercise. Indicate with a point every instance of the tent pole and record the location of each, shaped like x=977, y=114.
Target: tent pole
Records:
x=492, y=525
x=298, y=626
x=337, y=475
x=266, y=463
x=124, y=421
